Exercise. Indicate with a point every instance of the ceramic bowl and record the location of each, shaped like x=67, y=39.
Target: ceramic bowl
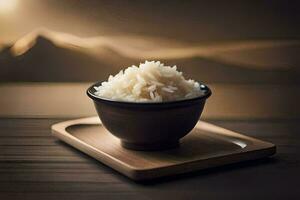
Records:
x=149, y=126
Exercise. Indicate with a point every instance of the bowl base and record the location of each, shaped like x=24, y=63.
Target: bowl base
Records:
x=150, y=147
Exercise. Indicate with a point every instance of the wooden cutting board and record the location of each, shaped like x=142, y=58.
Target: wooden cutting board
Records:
x=206, y=146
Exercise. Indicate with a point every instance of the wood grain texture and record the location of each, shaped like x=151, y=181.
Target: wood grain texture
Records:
x=206, y=146
x=86, y=178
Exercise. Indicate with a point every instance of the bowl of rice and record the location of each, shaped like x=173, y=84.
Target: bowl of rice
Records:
x=150, y=106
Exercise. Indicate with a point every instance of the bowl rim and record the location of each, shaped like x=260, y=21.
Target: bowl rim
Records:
x=98, y=98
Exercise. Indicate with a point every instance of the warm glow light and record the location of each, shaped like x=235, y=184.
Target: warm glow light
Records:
x=7, y=6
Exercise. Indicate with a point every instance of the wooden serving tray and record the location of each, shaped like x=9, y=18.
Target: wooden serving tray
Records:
x=206, y=146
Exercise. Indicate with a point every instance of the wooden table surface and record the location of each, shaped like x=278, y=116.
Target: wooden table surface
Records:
x=35, y=165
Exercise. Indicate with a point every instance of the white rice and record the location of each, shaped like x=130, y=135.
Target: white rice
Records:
x=150, y=82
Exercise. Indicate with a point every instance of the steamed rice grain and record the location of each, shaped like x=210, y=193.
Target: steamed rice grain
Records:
x=150, y=82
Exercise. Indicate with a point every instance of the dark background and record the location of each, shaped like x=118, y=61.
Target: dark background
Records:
x=254, y=41
x=195, y=21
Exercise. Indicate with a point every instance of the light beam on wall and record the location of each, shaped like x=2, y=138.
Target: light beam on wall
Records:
x=8, y=6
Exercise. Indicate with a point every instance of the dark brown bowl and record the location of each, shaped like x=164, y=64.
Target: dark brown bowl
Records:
x=149, y=126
